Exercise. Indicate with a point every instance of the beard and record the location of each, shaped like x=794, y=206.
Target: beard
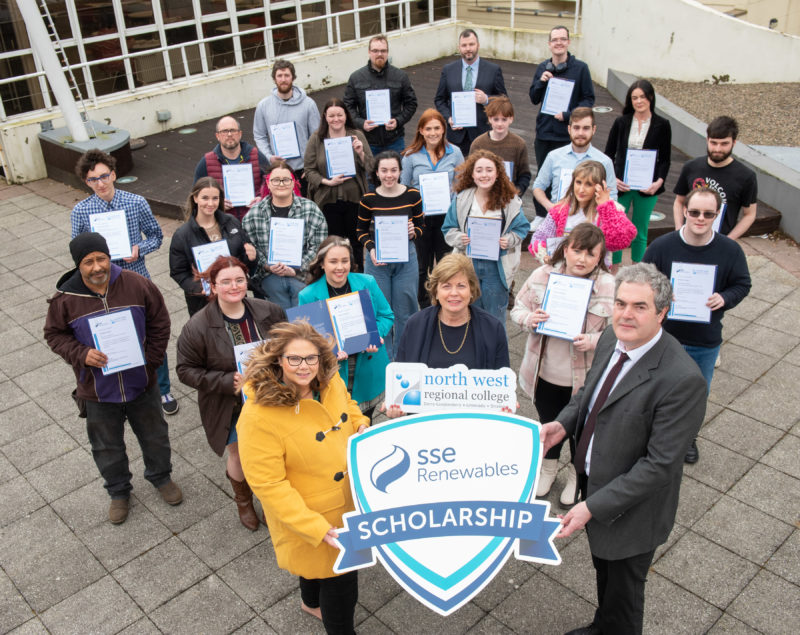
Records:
x=719, y=157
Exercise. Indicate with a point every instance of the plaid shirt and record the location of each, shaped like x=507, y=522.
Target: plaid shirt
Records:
x=256, y=224
x=140, y=221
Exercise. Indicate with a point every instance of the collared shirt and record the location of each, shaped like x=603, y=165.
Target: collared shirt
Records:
x=566, y=159
x=256, y=223
x=474, y=67
x=634, y=356
x=419, y=163
x=138, y=216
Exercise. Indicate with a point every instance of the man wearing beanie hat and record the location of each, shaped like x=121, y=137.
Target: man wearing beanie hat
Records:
x=97, y=287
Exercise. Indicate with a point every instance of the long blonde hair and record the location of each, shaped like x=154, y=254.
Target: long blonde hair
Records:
x=593, y=171
x=264, y=372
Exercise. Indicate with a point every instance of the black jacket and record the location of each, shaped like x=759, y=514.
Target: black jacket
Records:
x=181, y=258
x=659, y=137
x=402, y=99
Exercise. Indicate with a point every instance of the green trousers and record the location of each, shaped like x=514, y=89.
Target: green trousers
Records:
x=642, y=206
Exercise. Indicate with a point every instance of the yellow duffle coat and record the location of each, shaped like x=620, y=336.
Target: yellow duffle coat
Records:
x=292, y=473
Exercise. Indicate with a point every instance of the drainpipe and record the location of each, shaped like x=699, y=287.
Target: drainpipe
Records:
x=43, y=47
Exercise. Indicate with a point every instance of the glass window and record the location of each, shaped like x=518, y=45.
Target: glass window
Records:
x=137, y=13
x=221, y=50
x=177, y=10
x=95, y=18
x=284, y=38
x=251, y=28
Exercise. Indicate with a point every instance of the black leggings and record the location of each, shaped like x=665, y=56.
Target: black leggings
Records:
x=431, y=248
x=342, y=217
x=336, y=597
x=550, y=400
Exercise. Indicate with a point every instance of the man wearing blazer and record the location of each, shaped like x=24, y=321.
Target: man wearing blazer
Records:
x=469, y=73
x=643, y=402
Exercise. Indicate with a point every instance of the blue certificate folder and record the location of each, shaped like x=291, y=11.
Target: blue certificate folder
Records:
x=318, y=315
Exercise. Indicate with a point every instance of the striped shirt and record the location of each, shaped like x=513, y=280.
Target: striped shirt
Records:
x=372, y=204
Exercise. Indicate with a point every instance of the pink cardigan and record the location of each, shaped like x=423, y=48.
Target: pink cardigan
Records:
x=611, y=218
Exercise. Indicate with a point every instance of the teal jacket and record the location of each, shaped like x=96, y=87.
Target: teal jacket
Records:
x=370, y=375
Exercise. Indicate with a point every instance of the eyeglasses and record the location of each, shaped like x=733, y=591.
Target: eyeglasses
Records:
x=238, y=282
x=281, y=181
x=296, y=360
x=96, y=179
x=228, y=131
x=383, y=51
x=695, y=213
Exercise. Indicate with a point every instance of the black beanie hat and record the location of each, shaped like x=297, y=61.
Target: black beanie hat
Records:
x=84, y=244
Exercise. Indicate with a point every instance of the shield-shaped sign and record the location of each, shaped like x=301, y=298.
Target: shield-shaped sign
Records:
x=442, y=500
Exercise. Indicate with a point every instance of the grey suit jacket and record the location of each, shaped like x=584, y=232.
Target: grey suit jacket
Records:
x=640, y=438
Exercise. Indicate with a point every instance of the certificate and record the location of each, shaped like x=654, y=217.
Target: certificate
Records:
x=115, y=336
x=114, y=228
x=340, y=156
x=557, y=96
x=434, y=188
x=205, y=255
x=238, y=183
x=464, y=109
x=718, y=220
x=566, y=299
x=286, y=241
x=509, y=166
x=379, y=109
x=284, y=140
x=640, y=167
x=391, y=238
x=564, y=181
x=347, y=317
x=692, y=286
x=484, y=237
x=241, y=353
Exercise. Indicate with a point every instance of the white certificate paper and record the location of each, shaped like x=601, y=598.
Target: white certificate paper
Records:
x=391, y=238
x=509, y=166
x=557, y=96
x=115, y=336
x=238, y=183
x=205, y=255
x=284, y=140
x=114, y=228
x=463, y=109
x=718, y=220
x=241, y=353
x=347, y=317
x=379, y=109
x=286, y=241
x=566, y=299
x=692, y=286
x=484, y=237
x=340, y=156
x=564, y=181
x=640, y=167
x=434, y=188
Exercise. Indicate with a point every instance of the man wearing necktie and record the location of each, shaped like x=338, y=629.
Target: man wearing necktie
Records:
x=473, y=73
x=642, y=404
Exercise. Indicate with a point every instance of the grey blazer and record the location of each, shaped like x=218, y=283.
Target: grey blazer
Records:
x=640, y=439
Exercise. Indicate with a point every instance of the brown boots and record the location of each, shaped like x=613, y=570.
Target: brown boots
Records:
x=243, y=496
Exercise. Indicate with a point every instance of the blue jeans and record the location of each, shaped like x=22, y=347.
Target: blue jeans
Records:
x=398, y=145
x=282, y=290
x=705, y=358
x=398, y=283
x=162, y=374
x=105, y=424
x=494, y=294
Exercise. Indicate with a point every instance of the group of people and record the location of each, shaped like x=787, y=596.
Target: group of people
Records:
x=624, y=393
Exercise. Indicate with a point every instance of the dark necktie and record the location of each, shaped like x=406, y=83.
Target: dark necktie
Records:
x=468, y=83
x=588, y=428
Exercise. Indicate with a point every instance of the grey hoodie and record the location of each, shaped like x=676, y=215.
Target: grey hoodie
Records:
x=299, y=108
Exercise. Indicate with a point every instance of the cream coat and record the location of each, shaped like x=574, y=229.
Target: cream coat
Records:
x=293, y=474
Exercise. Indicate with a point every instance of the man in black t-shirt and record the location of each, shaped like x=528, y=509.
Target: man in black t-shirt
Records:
x=734, y=182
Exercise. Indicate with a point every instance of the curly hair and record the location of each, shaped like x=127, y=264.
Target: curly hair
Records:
x=503, y=189
x=89, y=160
x=264, y=373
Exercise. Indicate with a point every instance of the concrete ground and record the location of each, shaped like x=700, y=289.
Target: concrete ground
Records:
x=731, y=565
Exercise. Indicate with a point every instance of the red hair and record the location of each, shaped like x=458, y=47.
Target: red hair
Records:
x=419, y=141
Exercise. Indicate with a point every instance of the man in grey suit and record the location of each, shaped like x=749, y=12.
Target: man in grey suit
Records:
x=643, y=402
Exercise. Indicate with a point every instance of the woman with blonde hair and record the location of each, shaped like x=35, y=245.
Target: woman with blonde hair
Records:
x=587, y=201
x=293, y=434
x=483, y=190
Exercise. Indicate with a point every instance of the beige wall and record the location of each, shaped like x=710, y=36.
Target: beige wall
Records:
x=760, y=12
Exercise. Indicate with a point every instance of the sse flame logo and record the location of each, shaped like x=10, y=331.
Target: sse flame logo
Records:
x=389, y=469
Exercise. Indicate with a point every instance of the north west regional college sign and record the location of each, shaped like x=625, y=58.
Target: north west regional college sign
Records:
x=442, y=500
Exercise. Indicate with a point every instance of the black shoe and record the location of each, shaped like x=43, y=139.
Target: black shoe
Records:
x=589, y=629
x=692, y=455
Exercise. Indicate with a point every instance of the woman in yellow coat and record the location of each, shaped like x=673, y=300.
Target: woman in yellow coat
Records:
x=293, y=433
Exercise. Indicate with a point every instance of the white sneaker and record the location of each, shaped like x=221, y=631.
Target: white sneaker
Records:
x=718, y=361
x=547, y=476
x=568, y=493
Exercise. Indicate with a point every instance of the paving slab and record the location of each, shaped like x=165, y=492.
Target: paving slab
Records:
x=783, y=377
x=18, y=499
x=728, y=625
x=395, y=614
x=245, y=575
x=7, y=469
x=39, y=447
x=487, y=626
x=31, y=627
x=741, y=434
x=771, y=491
x=769, y=604
x=141, y=627
x=63, y=474
x=793, y=356
x=696, y=499
x=670, y=609
x=376, y=587
x=743, y=529
x=102, y=607
x=785, y=562
x=286, y=616
x=749, y=309
x=767, y=404
x=783, y=456
x=744, y=362
x=14, y=610
x=718, y=467
x=208, y=607
x=210, y=539
x=257, y=626
x=765, y=340
x=725, y=387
